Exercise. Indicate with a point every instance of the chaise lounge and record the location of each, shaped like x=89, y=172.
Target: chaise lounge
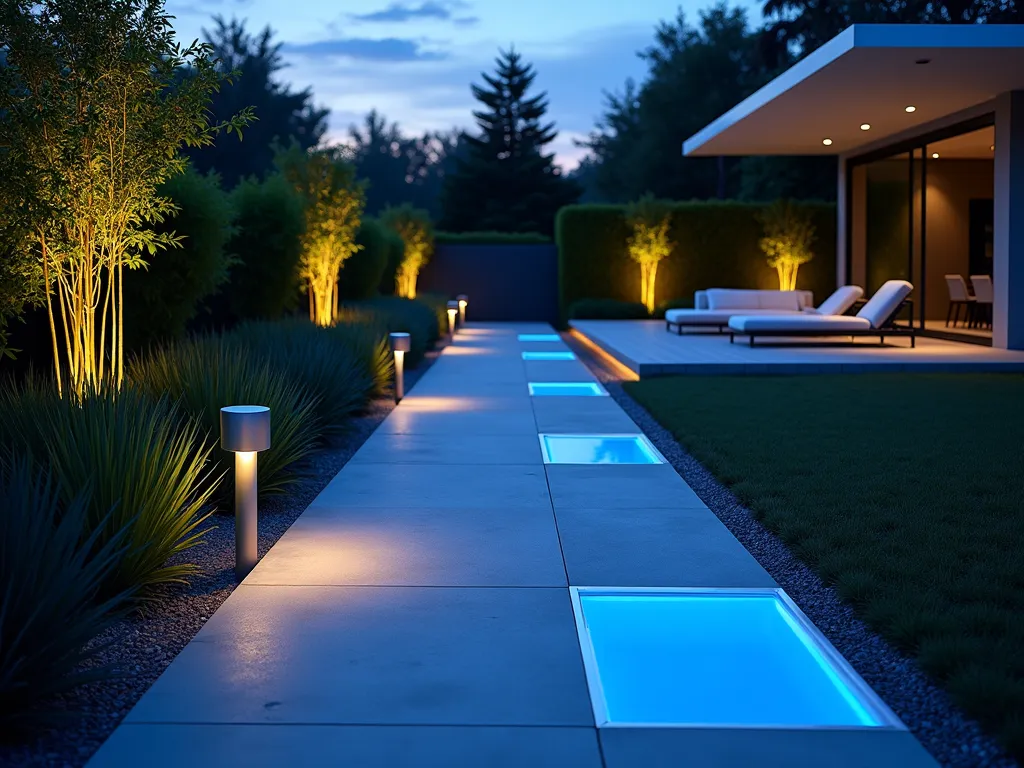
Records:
x=876, y=318
x=716, y=306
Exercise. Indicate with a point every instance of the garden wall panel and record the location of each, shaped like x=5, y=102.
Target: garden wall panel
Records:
x=716, y=245
x=503, y=282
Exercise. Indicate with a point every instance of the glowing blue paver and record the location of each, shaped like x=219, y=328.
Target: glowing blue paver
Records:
x=539, y=337
x=718, y=658
x=548, y=356
x=598, y=449
x=566, y=389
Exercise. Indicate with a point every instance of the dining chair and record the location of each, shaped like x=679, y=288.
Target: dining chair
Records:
x=982, y=285
x=959, y=296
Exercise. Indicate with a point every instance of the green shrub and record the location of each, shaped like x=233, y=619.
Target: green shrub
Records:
x=362, y=272
x=269, y=221
x=607, y=309
x=141, y=460
x=343, y=366
x=438, y=304
x=396, y=315
x=716, y=245
x=492, y=238
x=210, y=372
x=667, y=304
x=52, y=568
x=162, y=298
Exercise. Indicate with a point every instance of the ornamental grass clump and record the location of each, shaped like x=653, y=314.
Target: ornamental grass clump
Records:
x=55, y=561
x=206, y=373
x=147, y=468
x=343, y=366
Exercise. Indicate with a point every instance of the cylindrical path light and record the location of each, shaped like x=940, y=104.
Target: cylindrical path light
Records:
x=453, y=310
x=400, y=344
x=244, y=430
x=463, y=300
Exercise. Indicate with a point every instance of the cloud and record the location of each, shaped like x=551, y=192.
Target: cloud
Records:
x=401, y=12
x=366, y=49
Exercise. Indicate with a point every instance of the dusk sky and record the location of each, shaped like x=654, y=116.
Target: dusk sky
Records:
x=414, y=61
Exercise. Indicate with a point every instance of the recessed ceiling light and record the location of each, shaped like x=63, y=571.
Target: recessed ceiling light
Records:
x=865, y=126
x=993, y=146
x=827, y=142
x=935, y=155
x=910, y=108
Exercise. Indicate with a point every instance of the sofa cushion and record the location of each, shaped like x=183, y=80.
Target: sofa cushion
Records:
x=885, y=301
x=715, y=317
x=733, y=298
x=779, y=300
x=840, y=301
x=803, y=322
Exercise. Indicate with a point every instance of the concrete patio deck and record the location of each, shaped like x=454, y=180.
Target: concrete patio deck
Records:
x=418, y=612
x=647, y=349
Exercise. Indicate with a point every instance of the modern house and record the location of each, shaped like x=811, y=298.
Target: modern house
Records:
x=928, y=125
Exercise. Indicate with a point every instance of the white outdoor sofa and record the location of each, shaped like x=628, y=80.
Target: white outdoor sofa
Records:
x=716, y=306
x=876, y=318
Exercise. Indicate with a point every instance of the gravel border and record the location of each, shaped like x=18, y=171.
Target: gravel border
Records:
x=954, y=739
x=144, y=644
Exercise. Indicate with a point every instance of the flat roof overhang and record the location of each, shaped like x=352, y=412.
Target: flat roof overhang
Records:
x=869, y=74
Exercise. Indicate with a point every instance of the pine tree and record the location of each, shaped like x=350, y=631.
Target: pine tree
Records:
x=505, y=181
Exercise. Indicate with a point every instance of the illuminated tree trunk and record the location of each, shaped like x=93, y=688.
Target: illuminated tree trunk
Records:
x=648, y=276
x=787, y=275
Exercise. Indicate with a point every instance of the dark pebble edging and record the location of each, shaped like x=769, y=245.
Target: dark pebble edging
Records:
x=952, y=738
x=143, y=645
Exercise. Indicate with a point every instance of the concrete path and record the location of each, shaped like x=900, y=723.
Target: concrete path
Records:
x=417, y=614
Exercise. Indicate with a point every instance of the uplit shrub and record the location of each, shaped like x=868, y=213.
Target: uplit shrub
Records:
x=343, y=366
x=607, y=309
x=207, y=373
x=146, y=466
x=52, y=568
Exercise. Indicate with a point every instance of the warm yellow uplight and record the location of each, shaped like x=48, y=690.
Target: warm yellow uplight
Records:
x=649, y=219
x=910, y=108
x=827, y=142
x=935, y=155
x=865, y=126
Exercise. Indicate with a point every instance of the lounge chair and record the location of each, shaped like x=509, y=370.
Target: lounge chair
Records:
x=715, y=307
x=876, y=318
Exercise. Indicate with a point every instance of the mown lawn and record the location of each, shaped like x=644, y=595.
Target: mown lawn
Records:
x=905, y=491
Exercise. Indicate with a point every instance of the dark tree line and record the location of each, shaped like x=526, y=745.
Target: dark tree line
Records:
x=697, y=71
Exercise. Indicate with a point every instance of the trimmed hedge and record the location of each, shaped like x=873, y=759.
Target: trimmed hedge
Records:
x=492, y=238
x=395, y=314
x=607, y=309
x=363, y=271
x=716, y=245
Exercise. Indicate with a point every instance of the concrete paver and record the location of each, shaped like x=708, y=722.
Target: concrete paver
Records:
x=417, y=614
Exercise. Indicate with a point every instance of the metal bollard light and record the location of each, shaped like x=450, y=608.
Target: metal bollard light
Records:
x=244, y=430
x=463, y=300
x=400, y=344
x=453, y=310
